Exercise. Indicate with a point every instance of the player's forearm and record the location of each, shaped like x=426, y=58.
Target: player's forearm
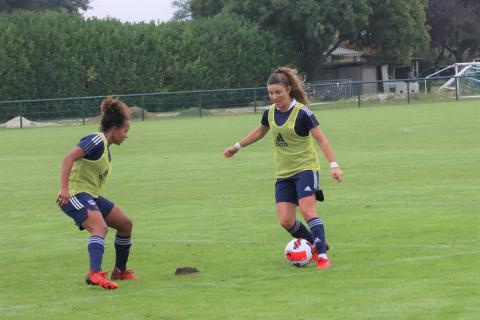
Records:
x=327, y=150
x=67, y=165
x=252, y=137
x=323, y=144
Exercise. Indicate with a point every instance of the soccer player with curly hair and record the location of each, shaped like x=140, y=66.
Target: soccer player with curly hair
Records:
x=85, y=170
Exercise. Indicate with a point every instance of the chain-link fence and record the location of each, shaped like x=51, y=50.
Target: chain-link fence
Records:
x=350, y=93
x=324, y=94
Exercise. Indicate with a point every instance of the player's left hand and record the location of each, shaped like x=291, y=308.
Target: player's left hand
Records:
x=337, y=174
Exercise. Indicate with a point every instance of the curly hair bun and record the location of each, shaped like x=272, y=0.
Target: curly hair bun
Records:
x=114, y=113
x=109, y=105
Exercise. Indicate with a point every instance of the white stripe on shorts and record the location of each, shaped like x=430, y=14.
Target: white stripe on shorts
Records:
x=74, y=201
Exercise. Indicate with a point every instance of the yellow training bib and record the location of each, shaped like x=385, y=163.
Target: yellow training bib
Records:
x=293, y=153
x=90, y=176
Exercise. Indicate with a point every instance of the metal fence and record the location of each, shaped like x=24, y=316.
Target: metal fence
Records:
x=325, y=94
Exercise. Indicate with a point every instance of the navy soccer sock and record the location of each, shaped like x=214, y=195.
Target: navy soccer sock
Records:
x=298, y=230
x=96, y=247
x=122, y=249
x=318, y=232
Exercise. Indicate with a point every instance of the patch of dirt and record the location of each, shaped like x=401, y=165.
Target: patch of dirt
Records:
x=186, y=270
x=136, y=113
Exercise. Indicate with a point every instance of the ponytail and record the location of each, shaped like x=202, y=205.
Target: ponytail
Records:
x=290, y=78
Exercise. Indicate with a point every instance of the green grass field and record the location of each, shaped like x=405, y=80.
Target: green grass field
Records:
x=404, y=226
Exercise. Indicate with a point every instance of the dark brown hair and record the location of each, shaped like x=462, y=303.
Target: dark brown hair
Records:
x=114, y=113
x=290, y=78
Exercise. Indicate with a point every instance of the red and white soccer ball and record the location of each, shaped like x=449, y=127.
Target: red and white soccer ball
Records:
x=298, y=252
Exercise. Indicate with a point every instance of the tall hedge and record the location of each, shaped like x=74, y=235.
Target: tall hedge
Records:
x=57, y=54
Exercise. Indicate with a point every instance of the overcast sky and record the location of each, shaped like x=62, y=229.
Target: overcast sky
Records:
x=131, y=10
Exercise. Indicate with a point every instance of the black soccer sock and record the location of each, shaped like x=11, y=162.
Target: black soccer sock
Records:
x=318, y=232
x=298, y=230
x=122, y=249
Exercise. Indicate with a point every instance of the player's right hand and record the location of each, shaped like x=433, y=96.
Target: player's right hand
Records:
x=62, y=197
x=230, y=152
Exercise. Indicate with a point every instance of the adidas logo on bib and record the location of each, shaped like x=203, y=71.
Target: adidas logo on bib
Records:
x=280, y=142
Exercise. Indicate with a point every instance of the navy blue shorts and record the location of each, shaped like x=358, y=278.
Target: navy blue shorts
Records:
x=76, y=208
x=291, y=189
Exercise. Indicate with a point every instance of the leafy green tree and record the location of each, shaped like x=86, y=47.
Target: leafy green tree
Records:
x=69, y=5
x=205, y=8
x=225, y=52
x=396, y=29
x=57, y=54
x=182, y=10
x=315, y=28
x=388, y=28
x=454, y=29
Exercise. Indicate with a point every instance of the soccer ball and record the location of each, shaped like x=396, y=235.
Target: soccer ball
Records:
x=298, y=252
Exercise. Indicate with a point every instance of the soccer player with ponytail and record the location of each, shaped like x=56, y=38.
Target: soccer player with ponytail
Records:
x=294, y=128
x=85, y=170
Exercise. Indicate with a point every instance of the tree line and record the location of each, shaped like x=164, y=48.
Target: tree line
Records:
x=58, y=54
x=440, y=31
x=47, y=49
x=69, y=5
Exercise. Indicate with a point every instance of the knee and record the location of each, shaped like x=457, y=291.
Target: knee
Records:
x=287, y=223
x=308, y=214
x=99, y=230
x=129, y=225
x=126, y=226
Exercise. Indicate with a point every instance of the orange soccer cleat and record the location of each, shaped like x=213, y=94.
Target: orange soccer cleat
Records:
x=100, y=279
x=315, y=252
x=125, y=275
x=323, y=263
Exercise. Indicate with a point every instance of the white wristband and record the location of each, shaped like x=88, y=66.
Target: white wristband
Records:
x=237, y=146
x=334, y=165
